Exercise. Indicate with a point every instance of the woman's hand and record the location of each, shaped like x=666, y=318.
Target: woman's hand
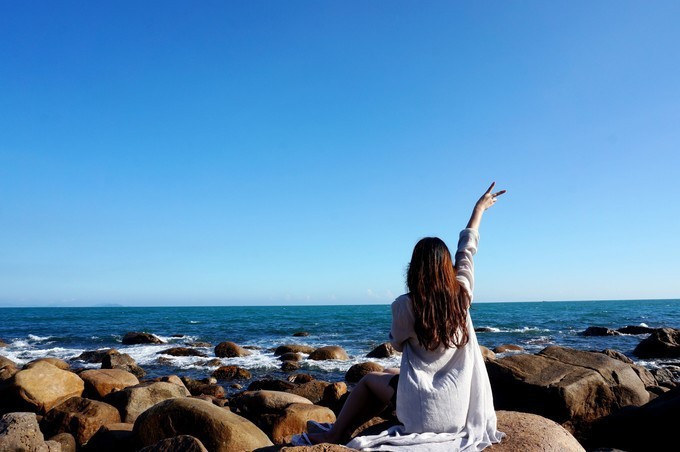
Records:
x=487, y=200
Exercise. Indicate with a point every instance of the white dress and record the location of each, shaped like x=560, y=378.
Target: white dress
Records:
x=444, y=398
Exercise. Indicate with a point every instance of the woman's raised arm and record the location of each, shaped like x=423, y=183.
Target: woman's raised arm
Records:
x=487, y=200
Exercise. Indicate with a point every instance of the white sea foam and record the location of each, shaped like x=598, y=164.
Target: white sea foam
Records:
x=644, y=324
x=35, y=338
x=193, y=322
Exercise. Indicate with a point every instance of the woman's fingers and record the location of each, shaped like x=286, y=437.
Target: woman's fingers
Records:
x=490, y=188
x=498, y=193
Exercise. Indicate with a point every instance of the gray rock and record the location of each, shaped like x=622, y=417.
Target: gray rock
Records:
x=20, y=432
x=134, y=400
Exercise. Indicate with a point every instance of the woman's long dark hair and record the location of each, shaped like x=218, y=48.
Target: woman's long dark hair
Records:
x=440, y=303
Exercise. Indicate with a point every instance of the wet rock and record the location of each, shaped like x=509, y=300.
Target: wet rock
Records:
x=230, y=350
x=329, y=352
x=117, y=437
x=357, y=371
x=182, y=351
x=124, y=362
x=508, y=348
x=231, y=373
x=617, y=355
x=312, y=390
x=599, y=331
x=293, y=348
x=290, y=366
x=181, y=443
x=100, y=382
x=134, y=338
x=484, y=329
x=384, y=350
x=56, y=362
x=79, y=417
x=301, y=334
x=215, y=362
x=96, y=356
x=134, y=400
x=199, y=344
x=271, y=385
x=200, y=388
x=662, y=343
x=486, y=353
x=20, y=432
x=300, y=378
x=294, y=420
x=28, y=389
x=218, y=429
x=571, y=387
x=66, y=442
x=290, y=356
x=7, y=368
x=636, y=329
x=528, y=432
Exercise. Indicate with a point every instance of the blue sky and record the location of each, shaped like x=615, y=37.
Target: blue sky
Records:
x=294, y=152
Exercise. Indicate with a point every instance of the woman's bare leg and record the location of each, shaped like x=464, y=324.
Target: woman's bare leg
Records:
x=369, y=397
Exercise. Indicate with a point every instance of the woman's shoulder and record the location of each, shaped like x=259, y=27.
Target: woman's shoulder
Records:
x=402, y=304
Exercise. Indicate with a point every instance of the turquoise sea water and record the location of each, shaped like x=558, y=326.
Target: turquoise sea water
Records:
x=66, y=332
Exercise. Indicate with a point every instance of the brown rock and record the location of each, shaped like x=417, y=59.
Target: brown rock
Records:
x=329, y=352
x=507, y=348
x=27, y=389
x=271, y=385
x=572, y=387
x=230, y=350
x=96, y=356
x=218, y=429
x=100, y=382
x=617, y=355
x=79, y=417
x=122, y=361
x=134, y=338
x=254, y=403
x=528, y=432
x=384, y=350
x=300, y=378
x=181, y=443
x=293, y=348
x=231, y=373
x=7, y=368
x=182, y=351
x=334, y=396
x=301, y=334
x=312, y=390
x=636, y=329
x=662, y=343
x=198, y=387
x=66, y=442
x=290, y=366
x=324, y=447
x=56, y=362
x=20, y=432
x=599, y=331
x=294, y=419
x=199, y=344
x=117, y=437
x=134, y=400
x=358, y=371
x=486, y=353
x=290, y=356
x=215, y=362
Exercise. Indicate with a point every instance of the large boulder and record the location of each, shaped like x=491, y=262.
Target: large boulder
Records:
x=180, y=443
x=197, y=388
x=312, y=390
x=41, y=387
x=329, y=352
x=79, y=417
x=134, y=400
x=571, y=387
x=617, y=355
x=231, y=373
x=7, y=368
x=359, y=370
x=254, y=403
x=230, y=350
x=294, y=420
x=20, y=432
x=56, y=362
x=294, y=348
x=116, y=437
x=662, y=343
x=218, y=429
x=527, y=432
x=384, y=350
x=101, y=382
x=122, y=361
x=135, y=337
x=271, y=384
x=182, y=351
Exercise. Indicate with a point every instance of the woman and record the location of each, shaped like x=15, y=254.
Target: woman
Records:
x=441, y=391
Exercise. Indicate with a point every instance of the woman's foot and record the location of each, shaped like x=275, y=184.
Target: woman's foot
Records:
x=323, y=437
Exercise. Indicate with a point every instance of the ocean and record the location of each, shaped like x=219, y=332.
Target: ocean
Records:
x=66, y=332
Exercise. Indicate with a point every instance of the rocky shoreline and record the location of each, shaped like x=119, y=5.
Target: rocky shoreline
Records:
x=557, y=399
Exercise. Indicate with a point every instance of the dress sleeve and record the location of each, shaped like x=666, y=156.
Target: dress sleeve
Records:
x=402, y=323
x=465, y=269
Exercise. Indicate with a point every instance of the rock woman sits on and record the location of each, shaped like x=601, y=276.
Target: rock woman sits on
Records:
x=441, y=391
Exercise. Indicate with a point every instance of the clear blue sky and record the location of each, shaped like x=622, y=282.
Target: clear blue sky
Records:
x=294, y=152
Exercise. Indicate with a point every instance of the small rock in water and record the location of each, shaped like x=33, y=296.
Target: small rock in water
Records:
x=177, y=335
x=95, y=356
x=384, y=350
x=231, y=373
x=301, y=334
x=122, y=361
x=508, y=348
x=484, y=329
x=230, y=350
x=293, y=348
x=358, y=371
x=599, y=331
x=199, y=344
x=290, y=366
x=636, y=329
x=135, y=337
x=329, y=352
x=181, y=351
x=300, y=378
x=662, y=343
x=290, y=356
